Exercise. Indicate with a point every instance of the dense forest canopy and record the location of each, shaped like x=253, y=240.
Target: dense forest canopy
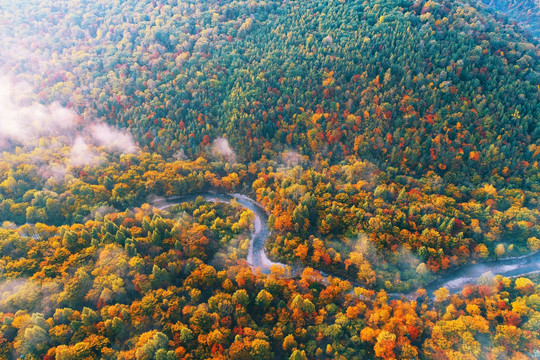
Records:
x=416, y=86
x=526, y=13
x=390, y=142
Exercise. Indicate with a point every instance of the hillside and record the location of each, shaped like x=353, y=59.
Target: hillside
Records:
x=526, y=13
x=388, y=142
x=416, y=86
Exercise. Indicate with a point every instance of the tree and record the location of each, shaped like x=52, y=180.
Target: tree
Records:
x=385, y=344
x=289, y=343
x=524, y=285
x=150, y=344
x=499, y=250
x=263, y=299
x=34, y=339
x=298, y=355
x=260, y=349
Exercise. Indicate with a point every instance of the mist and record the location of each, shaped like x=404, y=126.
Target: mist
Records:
x=221, y=148
x=27, y=294
x=113, y=139
x=23, y=121
x=30, y=124
x=291, y=158
x=82, y=154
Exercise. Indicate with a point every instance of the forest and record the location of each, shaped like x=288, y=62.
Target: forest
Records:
x=389, y=142
x=526, y=13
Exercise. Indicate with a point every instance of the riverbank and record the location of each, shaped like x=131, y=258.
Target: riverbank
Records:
x=454, y=281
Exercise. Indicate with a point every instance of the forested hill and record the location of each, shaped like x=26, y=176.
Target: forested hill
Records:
x=388, y=141
x=418, y=86
x=526, y=12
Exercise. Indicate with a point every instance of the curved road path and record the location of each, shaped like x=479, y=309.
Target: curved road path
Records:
x=453, y=281
x=256, y=257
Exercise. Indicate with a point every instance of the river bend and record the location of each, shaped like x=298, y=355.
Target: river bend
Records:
x=453, y=281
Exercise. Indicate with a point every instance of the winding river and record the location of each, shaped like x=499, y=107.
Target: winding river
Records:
x=453, y=281
x=509, y=267
x=256, y=257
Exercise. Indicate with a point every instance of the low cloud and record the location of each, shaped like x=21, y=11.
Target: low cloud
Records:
x=221, y=148
x=180, y=155
x=55, y=173
x=27, y=294
x=24, y=121
x=81, y=154
x=100, y=211
x=291, y=158
x=113, y=139
x=18, y=294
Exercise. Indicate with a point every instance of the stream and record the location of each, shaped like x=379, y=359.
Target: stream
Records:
x=256, y=258
x=509, y=267
x=453, y=280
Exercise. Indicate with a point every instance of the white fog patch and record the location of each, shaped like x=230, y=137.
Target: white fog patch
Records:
x=28, y=123
x=180, y=155
x=28, y=294
x=23, y=121
x=100, y=212
x=55, y=173
x=81, y=154
x=221, y=148
x=18, y=294
x=291, y=158
x=113, y=139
